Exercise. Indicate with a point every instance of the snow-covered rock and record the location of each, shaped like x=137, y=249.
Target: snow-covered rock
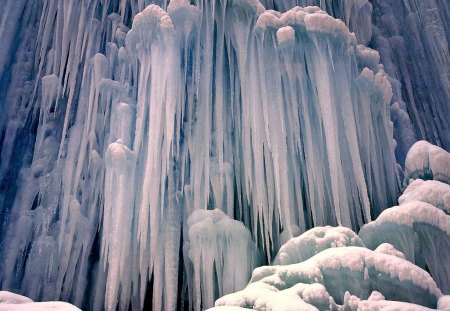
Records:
x=314, y=241
x=430, y=191
x=427, y=161
x=420, y=231
x=324, y=280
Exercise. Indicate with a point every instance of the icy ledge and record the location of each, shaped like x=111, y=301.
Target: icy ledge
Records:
x=310, y=243
x=429, y=191
x=427, y=161
x=13, y=302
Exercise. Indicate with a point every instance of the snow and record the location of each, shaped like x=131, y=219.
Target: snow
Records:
x=314, y=241
x=356, y=14
x=325, y=279
x=427, y=161
x=444, y=303
x=420, y=231
x=223, y=255
x=433, y=192
x=13, y=302
x=389, y=249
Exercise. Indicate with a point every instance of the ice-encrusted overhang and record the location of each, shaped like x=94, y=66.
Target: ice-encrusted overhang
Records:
x=279, y=120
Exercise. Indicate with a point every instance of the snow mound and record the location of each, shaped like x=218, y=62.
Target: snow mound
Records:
x=389, y=249
x=310, y=243
x=430, y=191
x=13, y=302
x=427, y=161
x=420, y=231
x=11, y=298
x=444, y=303
x=324, y=280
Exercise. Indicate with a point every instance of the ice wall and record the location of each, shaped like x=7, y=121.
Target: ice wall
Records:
x=116, y=125
x=413, y=38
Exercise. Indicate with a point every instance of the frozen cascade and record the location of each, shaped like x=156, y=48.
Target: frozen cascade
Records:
x=223, y=255
x=116, y=125
x=413, y=38
x=414, y=44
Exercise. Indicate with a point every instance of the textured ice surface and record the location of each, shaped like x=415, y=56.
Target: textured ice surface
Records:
x=138, y=122
x=427, y=161
x=223, y=255
x=356, y=14
x=314, y=241
x=430, y=191
x=420, y=231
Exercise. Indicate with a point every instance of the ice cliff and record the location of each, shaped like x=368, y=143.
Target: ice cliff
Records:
x=153, y=153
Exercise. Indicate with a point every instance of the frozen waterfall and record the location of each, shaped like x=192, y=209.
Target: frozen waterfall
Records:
x=153, y=153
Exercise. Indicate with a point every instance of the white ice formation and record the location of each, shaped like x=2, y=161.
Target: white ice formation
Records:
x=427, y=161
x=314, y=241
x=222, y=253
x=120, y=119
x=429, y=191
